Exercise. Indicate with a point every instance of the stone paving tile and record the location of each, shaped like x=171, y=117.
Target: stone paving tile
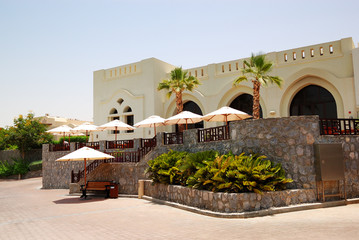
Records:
x=26, y=212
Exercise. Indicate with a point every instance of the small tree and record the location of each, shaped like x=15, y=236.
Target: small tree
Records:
x=257, y=70
x=28, y=133
x=179, y=82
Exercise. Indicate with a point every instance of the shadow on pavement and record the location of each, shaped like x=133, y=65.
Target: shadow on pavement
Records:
x=77, y=200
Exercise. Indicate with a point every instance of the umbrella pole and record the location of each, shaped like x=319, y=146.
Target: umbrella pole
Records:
x=116, y=134
x=85, y=172
x=226, y=125
x=186, y=124
x=155, y=129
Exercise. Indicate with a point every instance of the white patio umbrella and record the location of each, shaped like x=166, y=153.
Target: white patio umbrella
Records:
x=62, y=130
x=84, y=154
x=85, y=128
x=184, y=117
x=116, y=125
x=151, y=121
x=225, y=114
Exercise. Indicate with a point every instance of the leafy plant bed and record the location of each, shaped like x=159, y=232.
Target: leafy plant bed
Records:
x=218, y=173
x=227, y=202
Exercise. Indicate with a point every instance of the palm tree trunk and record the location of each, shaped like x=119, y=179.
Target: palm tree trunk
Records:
x=179, y=106
x=179, y=103
x=256, y=94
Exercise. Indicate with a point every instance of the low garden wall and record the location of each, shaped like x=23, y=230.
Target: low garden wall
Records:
x=227, y=202
x=30, y=156
x=288, y=141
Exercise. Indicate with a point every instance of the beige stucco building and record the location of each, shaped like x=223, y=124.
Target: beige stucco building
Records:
x=320, y=79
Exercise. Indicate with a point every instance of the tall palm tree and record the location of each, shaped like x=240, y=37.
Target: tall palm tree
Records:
x=178, y=83
x=257, y=70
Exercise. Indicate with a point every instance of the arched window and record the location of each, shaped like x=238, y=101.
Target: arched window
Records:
x=128, y=117
x=113, y=111
x=244, y=103
x=114, y=116
x=314, y=100
x=127, y=109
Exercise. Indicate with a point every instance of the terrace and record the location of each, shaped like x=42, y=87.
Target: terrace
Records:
x=288, y=141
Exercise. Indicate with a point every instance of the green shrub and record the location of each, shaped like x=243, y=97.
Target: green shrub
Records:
x=6, y=169
x=72, y=139
x=195, y=161
x=225, y=173
x=19, y=166
x=164, y=168
x=229, y=173
x=35, y=166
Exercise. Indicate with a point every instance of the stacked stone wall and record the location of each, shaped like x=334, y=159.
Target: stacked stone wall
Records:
x=288, y=141
x=227, y=202
x=30, y=156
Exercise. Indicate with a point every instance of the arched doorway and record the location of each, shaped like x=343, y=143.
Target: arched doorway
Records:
x=244, y=103
x=314, y=100
x=192, y=107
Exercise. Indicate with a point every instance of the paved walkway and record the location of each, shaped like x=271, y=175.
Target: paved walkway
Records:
x=27, y=212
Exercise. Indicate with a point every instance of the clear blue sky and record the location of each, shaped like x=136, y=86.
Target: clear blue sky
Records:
x=50, y=48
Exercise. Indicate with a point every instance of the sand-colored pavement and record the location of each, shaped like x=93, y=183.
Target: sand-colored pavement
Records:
x=27, y=212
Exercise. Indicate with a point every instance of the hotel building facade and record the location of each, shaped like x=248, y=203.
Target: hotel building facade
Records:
x=321, y=79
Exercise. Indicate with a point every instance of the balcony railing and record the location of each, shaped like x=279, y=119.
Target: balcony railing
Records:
x=94, y=145
x=59, y=147
x=148, y=142
x=173, y=138
x=119, y=144
x=340, y=126
x=213, y=134
x=132, y=156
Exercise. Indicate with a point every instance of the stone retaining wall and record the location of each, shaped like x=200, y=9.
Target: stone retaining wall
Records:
x=30, y=156
x=227, y=202
x=288, y=141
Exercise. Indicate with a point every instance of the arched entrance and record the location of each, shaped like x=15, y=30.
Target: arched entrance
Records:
x=314, y=100
x=244, y=103
x=192, y=107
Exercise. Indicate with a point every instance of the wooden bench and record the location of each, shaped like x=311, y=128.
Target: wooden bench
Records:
x=96, y=186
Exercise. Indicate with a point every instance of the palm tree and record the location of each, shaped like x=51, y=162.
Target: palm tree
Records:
x=178, y=83
x=257, y=70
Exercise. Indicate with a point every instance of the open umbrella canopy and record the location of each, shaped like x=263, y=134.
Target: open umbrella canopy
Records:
x=60, y=130
x=152, y=121
x=85, y=128
x=225, y=114
x=84, y=153
x=116, y=125
x=184, y=117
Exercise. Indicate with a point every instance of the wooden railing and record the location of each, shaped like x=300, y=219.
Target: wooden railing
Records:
x=94, y=145
x=148, y=142
x=119, y=144
x=75, y=177
x=213, y=134
x=132, y=156
x=340, y=126
x=59, y=147
x=173, y=138
x=125, y=156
